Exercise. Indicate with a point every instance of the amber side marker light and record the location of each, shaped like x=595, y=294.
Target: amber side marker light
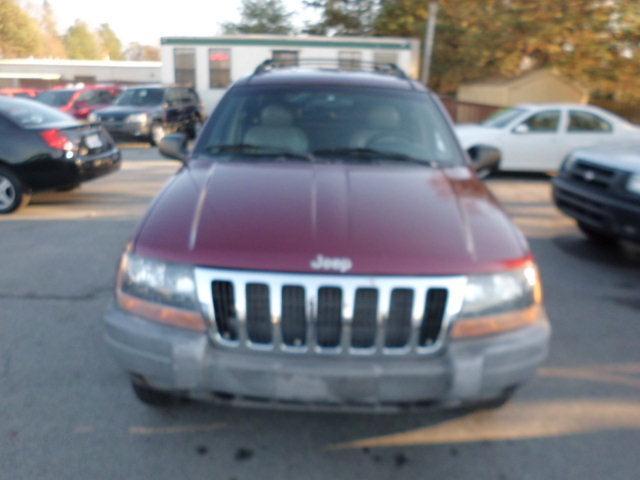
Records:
x=175, y=317
x=512, y=300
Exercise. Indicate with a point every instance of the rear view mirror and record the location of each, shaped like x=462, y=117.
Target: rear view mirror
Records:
x=174, y=146
x=484, y=159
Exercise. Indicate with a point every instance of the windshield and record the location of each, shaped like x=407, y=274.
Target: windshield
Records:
x=31, y=114
x=56, y=98
x=333, y=124
x=141, y=97
x=503, y=117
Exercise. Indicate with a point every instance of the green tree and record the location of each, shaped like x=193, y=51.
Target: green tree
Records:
x=262, y=16
x=48, y=23
x=20, y=34
x=344, y=17
x=81, y=43
x=110, y=42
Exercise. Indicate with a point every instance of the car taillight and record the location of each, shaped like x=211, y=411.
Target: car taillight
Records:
x=56, y=139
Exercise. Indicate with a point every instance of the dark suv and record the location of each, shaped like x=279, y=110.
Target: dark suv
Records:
x=327, y=244
x=150, y=112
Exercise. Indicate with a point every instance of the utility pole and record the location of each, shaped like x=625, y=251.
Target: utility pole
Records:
x=429, y=36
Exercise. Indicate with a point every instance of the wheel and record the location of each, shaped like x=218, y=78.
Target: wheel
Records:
x=595, y=235
x=157, y=134
x=13, y=193
x=194, y=129
x=152, y=396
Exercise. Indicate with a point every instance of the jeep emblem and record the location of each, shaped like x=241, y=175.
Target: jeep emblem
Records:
x=335, y=264
x=589, y=176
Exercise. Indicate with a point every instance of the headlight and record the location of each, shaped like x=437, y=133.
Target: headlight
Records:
x=137, y=118
x=495, y=303
x=165, y=292
x=568, y=162
x=633, y=184
x=93, y=118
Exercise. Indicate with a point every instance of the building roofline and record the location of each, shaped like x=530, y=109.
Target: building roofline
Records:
x=390, y=43
x=78, y=63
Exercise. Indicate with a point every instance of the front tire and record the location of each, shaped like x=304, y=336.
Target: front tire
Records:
x=152, y=396
x=13, y=194
x=596, y=236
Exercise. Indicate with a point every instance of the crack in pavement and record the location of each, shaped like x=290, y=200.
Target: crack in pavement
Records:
x=90, y=295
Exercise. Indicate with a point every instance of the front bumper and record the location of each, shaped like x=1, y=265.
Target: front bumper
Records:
x=127, y=130
x=599, y=210
x=466, y=371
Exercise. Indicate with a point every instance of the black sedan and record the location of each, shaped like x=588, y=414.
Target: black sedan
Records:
x=43, y=149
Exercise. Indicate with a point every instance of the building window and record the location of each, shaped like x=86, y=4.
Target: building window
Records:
x=350, y=60
x=184, y=61
x=384, y=58
x=285, y=58
x=219, y=67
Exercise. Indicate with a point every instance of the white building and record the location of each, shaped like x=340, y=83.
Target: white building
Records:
x=41, y=73
x=211, y=64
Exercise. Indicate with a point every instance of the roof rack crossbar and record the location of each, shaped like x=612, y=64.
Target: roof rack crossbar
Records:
x=355, y=66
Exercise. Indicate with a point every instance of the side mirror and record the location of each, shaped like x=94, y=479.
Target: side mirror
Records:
x=522, y=128
x=174, y=146
x=484, y=159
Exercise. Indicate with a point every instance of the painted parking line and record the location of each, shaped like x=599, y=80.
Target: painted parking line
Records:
x=175, y=429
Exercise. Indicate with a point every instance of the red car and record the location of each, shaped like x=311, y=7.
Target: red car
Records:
x=327, y=244
x=20, y=92
x=81, y=101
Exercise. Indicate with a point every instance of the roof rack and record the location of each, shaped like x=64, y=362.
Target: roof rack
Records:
x=346, y=65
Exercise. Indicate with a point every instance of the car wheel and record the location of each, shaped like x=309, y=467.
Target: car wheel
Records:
x=595, y=235
x=194, y=129
x=157, y=134
x=13, y=194
x=152, y=396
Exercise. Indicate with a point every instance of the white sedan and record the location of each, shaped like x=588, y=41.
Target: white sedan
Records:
x=537, y=137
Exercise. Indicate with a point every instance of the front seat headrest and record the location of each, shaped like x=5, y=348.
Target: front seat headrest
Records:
x=383, y=117
x=276, y=116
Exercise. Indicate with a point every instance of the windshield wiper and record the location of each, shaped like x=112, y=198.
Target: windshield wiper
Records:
x=258, y=151
x=373, y=154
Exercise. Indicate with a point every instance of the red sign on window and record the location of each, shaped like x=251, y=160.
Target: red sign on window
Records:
x=219, y=57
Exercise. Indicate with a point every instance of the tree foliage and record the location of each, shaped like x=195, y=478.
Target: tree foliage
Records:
x=20, y=34
x=344, y=17
x=138, y=52
x=111, y=44
x=262, y=16
x=81, y=43
x=49, y=25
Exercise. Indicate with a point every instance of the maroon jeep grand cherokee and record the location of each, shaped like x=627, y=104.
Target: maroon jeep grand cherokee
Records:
x=327, y=244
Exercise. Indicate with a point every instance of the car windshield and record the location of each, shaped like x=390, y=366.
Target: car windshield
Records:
x=56, y=98
x=503, y=117
x=141, y=97
x=31, y=114
x=330, y=124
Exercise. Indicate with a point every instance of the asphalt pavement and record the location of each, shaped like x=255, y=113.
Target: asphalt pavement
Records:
x=67, y=412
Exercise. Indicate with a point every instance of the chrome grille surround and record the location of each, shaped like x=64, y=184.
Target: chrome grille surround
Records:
x=311, y=283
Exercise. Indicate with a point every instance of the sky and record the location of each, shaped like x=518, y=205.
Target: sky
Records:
x=145, y=21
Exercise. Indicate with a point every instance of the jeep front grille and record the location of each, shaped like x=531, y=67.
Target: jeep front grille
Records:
x=315, y=313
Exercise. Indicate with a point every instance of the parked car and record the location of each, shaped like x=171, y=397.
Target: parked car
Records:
x=149, y=113
x=42, y=148
x=538, y=137
x=327, y=244
x=80, y=101
x=600, y=188
x=19, y=92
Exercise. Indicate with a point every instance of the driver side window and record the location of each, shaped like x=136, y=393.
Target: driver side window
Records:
x=541, y=122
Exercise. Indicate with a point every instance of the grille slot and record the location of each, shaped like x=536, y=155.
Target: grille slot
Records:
x=258, y=313
x=225, y=310
x=592, y=175
x=398, y=327
x=294, y=318
x=329, y=319
x=365, y=313
x=433, y=316
x=328, y=314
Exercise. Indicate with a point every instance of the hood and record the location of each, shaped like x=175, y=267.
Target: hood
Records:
x=470, y=134
x=357, y=219
x=620, y=156
x=124, y=110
